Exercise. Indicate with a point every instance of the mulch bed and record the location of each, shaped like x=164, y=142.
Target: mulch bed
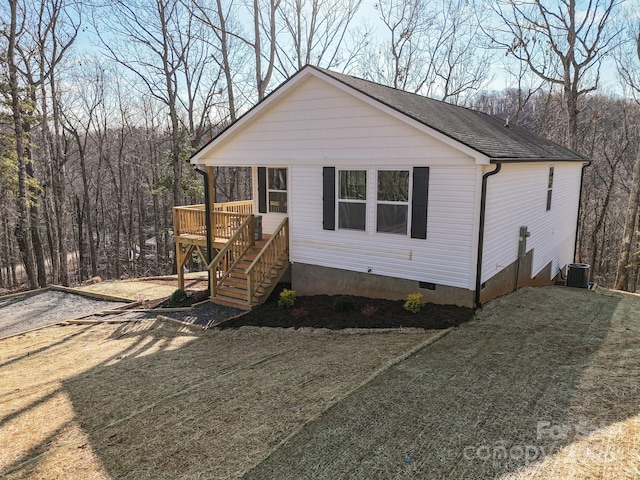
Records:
x=318, y=312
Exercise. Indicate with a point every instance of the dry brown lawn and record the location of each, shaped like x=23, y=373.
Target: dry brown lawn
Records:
x=147, y=288
x=542, y=384
x=132, y=290
x=603, y=420
x=152, y=400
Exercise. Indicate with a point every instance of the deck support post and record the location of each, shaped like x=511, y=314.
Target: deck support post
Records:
x=178, y=257
x=181, y=259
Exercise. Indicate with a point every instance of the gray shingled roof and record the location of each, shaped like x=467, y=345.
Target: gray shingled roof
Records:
x=484, y=133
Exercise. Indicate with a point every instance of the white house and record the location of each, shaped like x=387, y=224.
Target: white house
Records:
x=388, y=193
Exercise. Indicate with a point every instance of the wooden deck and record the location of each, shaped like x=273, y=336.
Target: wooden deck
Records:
x=190, y=224
x=244, y=270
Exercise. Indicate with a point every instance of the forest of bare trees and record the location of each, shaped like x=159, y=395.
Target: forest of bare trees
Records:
x=103, y=102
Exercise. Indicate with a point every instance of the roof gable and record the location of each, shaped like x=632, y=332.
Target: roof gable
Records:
x=484, y=137
x=484, y=133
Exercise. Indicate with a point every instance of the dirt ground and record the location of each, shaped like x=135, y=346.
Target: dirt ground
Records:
x=34, y=310
x=542, y=384
x=153, y=400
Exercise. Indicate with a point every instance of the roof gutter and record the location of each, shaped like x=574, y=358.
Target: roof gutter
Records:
x=483, y=205
x=536, y=159
x=207, y=219
x=575, y=245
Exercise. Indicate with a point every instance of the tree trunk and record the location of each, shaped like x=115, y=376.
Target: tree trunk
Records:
x=22, y=229
x=82, y=262
x=34, y=218
x=622, y=276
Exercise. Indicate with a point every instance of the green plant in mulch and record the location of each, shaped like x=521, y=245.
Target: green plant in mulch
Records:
x=287, y=298
x=343, y=303
x=177, y=296
x=414, y=303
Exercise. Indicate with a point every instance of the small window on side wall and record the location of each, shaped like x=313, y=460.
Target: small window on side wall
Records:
x=549, y=188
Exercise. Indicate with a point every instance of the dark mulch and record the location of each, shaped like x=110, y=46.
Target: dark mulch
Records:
x=318, y=311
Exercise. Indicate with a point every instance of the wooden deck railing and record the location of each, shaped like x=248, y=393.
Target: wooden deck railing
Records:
x=225, y=224
x=243, y=206
x=189, y=220
x=225, y=218
x=231, y=253
x=274, y=251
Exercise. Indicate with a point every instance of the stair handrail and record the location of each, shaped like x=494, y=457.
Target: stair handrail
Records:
x=247, y=226
x=281, y=230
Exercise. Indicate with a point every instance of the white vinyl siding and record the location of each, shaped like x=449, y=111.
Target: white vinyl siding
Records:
x=443, y=258
x=517, y=196
x=316, y=122
x=317, y=125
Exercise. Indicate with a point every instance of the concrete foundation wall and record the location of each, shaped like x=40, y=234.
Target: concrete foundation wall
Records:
x=314, y=280
x=505, y=281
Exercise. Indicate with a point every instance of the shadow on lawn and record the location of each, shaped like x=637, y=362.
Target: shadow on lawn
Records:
x=487, y=383
x=486, y=400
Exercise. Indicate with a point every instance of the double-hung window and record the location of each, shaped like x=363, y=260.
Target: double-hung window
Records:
x=352, y=199
x=393, y=201
x=277, y=190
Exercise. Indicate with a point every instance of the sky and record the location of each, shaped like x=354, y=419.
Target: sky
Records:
x=88, y=44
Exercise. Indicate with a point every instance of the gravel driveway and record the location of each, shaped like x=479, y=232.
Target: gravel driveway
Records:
x=29, y=311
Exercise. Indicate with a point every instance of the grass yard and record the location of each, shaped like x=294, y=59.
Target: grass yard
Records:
x=542, y=384
x=152, y=400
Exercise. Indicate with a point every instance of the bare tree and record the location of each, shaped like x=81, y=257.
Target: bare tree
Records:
x=58, y=25
x=560, y=42
x=433, y=47
x=265, y=37
x=80, y=123
x=218, y=18
x=317, y=30
x=23, y=223
x=159, y=43
x=629, y=68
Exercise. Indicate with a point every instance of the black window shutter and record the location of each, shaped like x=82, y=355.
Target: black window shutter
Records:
x=419, y=202
x=262, y=189
x=329, y=198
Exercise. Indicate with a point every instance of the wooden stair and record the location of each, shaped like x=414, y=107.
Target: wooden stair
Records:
x=233, y=290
